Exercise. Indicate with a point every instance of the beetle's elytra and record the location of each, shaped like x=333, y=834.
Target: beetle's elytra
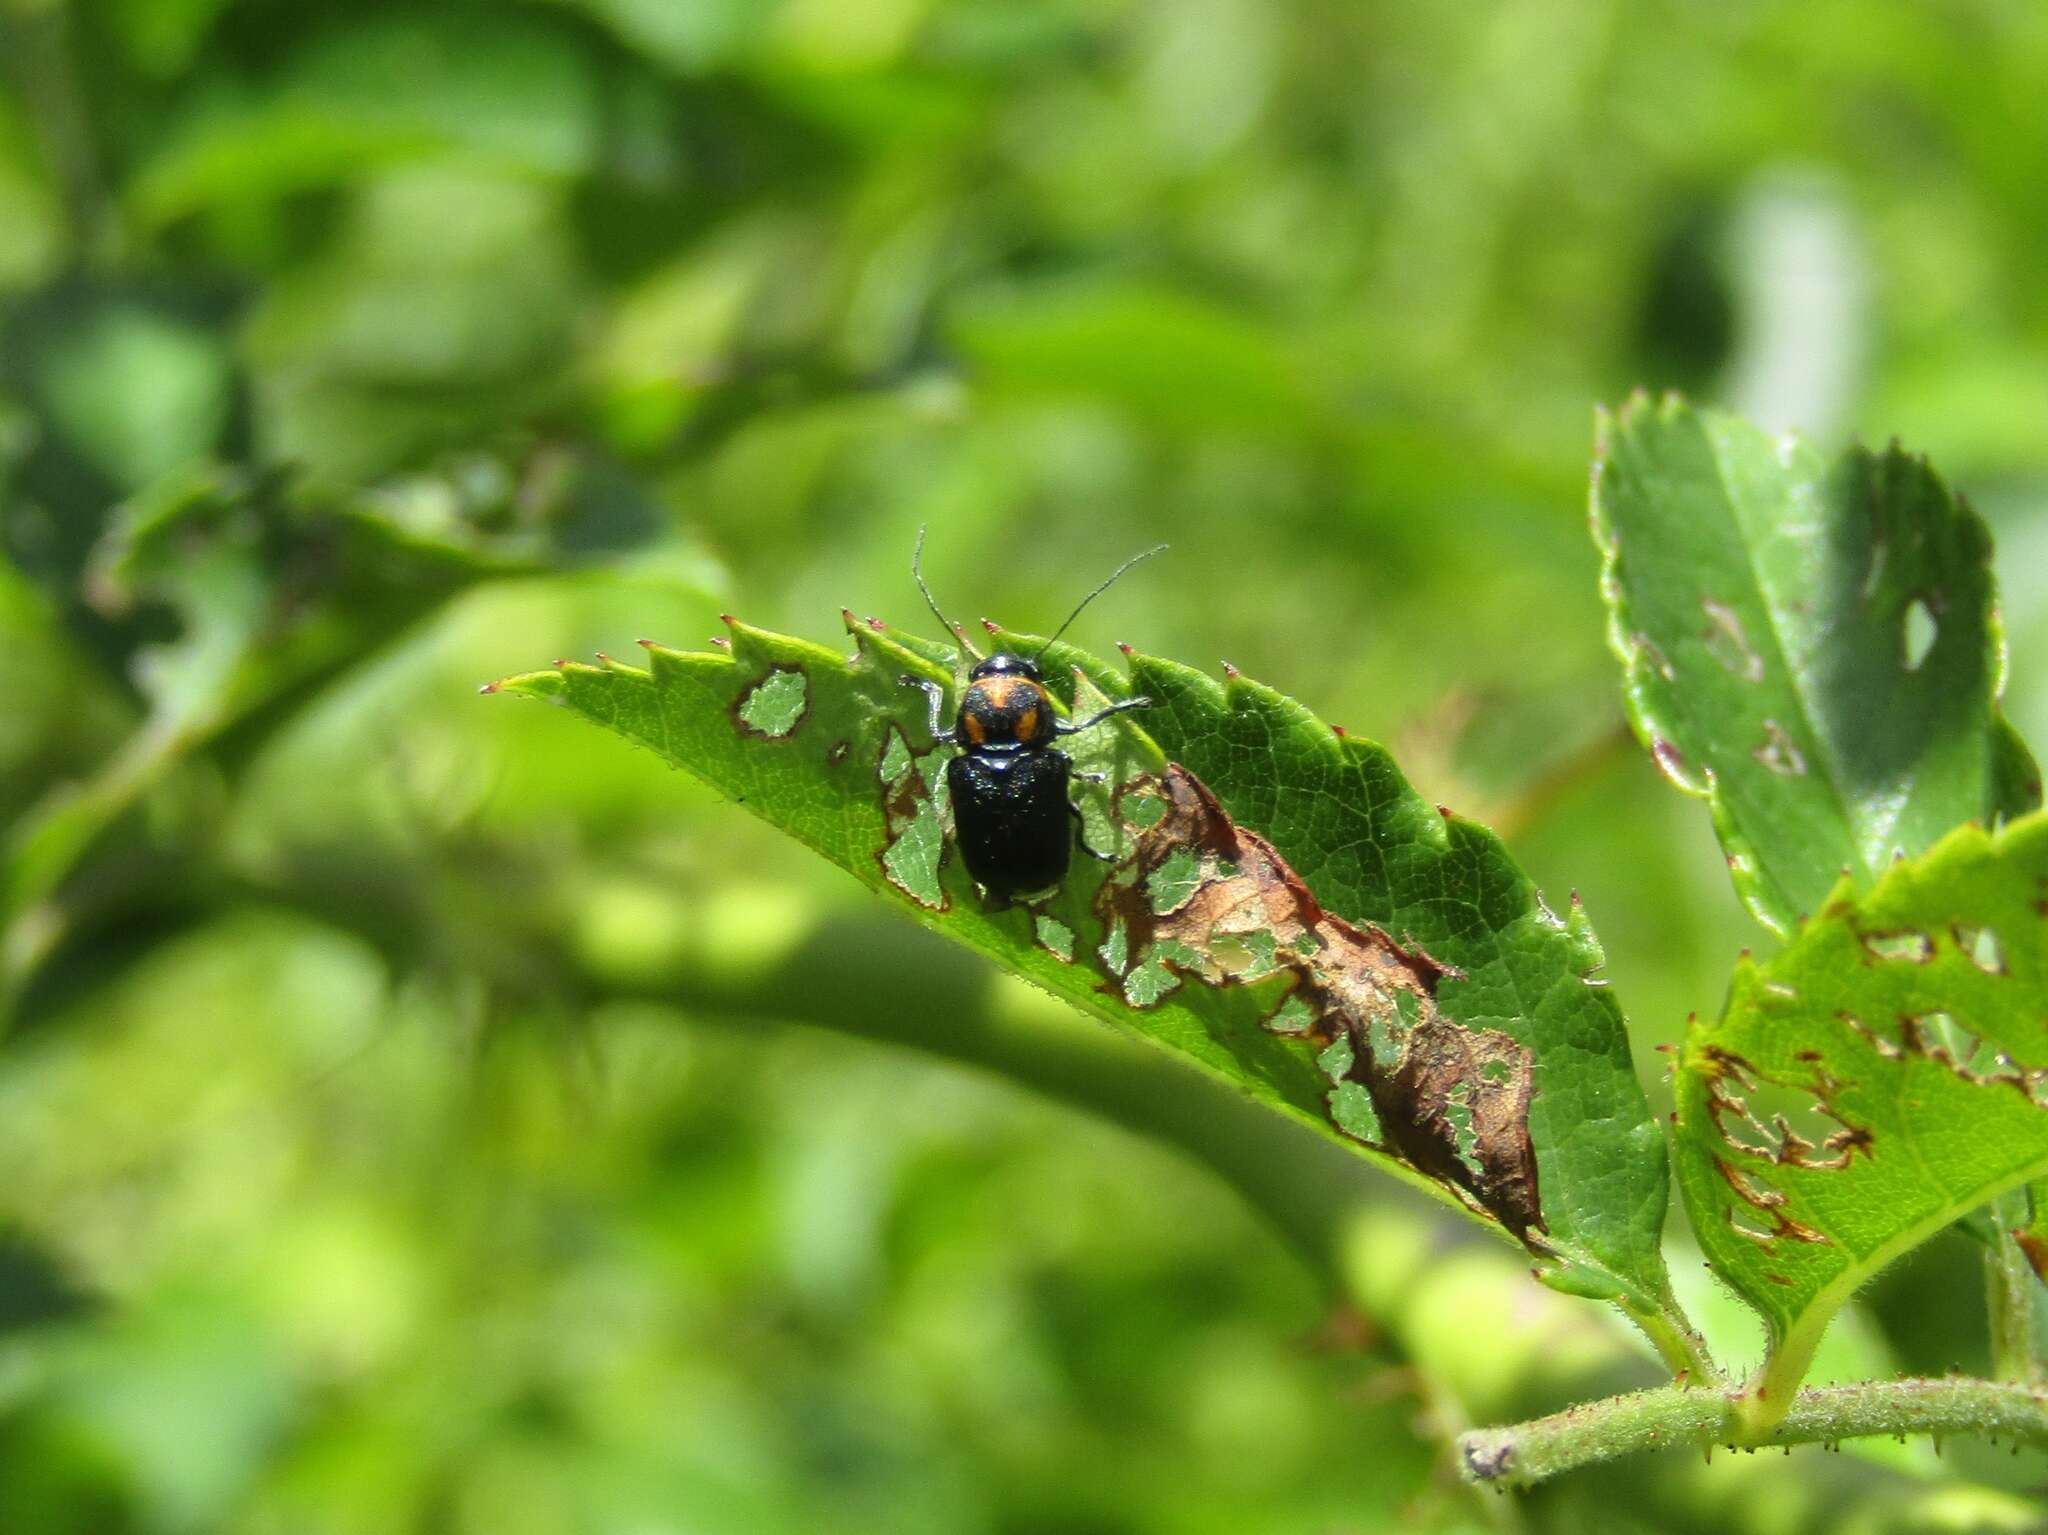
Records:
x=1012, y=818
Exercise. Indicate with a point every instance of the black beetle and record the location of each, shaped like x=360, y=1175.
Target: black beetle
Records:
x=1011, y=815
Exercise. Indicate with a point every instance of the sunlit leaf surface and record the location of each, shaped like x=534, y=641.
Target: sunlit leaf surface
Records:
x=1814, y=646
x=1882, y=1075
x=1278, y=904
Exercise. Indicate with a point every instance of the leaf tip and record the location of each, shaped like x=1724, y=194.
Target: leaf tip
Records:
x=721, y=642
x=1125, y=648
x=1337, y=731
x=645, y=644
x=1231, y=673
x=727, y=619
x=488, y=687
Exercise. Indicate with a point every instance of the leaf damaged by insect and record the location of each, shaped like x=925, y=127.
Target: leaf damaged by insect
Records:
x=1755, y=1114
x=858, y=779
x=1880, y=1077
x=1764, y=599
x=1450, y=1101
x=776, y=705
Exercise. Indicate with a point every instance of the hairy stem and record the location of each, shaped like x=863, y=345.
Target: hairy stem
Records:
x=1674, y=1418
x=1678, y=1344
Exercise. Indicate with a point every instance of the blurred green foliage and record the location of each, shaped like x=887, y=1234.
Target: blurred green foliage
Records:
x=418, y=1115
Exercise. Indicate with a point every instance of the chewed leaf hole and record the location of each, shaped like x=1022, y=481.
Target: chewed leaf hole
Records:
x=775, y=705
x=1056, y=937
x=913, y=859
x=1941, y=1035
x=1173, y=884
x=1352, y=1111
x=1747, y=1221
x=1149, y=979
x=1981, y=947
x=1294, y=1016
x=1791, y=1123
x=1916, y=947
x=1116, y=948
x=1145, y=810
x=1918, y=631
x=895, y=760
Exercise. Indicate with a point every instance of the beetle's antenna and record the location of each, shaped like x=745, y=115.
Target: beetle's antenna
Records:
x=917, y=575
x=1114, y=575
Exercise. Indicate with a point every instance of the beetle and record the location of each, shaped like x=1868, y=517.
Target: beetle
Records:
x=1012, y=817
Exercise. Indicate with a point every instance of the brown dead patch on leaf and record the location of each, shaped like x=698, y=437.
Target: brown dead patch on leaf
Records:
x=1451, y=1101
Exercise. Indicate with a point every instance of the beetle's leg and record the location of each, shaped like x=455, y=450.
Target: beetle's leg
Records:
x=935, y=696
x=1063, y=728
x=1081, y=837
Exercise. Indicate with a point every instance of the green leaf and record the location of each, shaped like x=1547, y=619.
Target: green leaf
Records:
x=1812, y=646
x=1882, y=1075
x=1526, y=1113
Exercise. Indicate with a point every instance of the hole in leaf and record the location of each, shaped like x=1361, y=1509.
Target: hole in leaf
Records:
x=1248, y=956
x=1939, y=1037
x=1150, y=979
x=1173, y=884
x=1919, y=632
x=895, y=759
x=1758, y=1212
x=1056, y=937
x=775, y=705
x=1352, y=1111
x=1145, y=810
x=1748, y=1221
x=912, y=860
x=1981, y=947
x=1464, y=1130
x=1792, y=1123
x=1916, y=947
x=1116, y=948
x=1294, y=1016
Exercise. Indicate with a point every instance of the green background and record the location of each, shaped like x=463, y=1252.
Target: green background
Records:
x=442, y=1117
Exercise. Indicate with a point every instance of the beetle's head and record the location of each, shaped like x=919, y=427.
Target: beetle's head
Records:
x=1002, y=664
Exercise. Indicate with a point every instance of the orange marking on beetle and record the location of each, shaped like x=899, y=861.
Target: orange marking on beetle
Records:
x=997, y=690
x=1027, y=722
x=976, y=731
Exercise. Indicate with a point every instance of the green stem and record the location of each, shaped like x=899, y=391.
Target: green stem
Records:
x=2009, y=1295
x=1677, y=1343
x=1673, y=1418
